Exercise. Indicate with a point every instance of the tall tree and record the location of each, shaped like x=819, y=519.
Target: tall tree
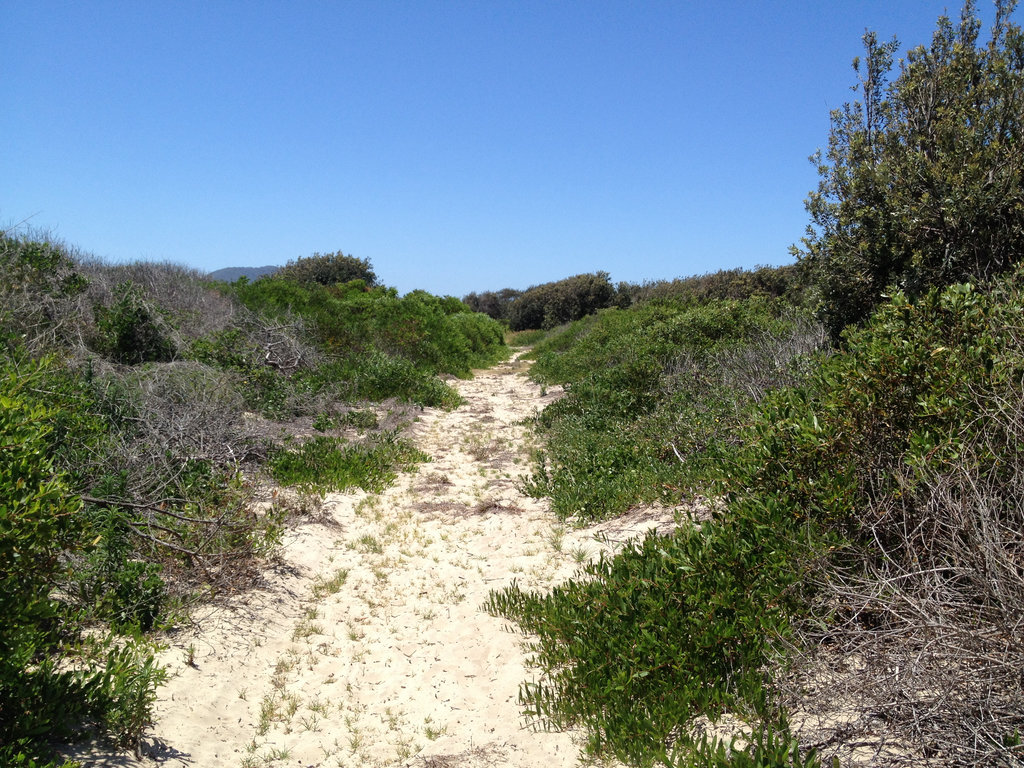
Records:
x=327, y=269
x=921, y=182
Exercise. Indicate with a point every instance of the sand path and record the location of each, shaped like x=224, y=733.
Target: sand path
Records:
x=369, y=646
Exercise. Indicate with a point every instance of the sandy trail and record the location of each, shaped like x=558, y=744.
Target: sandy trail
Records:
x=369, y=647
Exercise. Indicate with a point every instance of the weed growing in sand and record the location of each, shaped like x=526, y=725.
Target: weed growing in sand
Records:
x=284, y=665
x=369, y=544
x=269, y=712
x=355, y=634
x=431, y=731
x=405, y=748
x=556, y=538
x=278, y=753
x=319, y=707
x=306, y=629
x=355, y=738
x=291, y=705
x=580, y=555
x=323, y=586
x=330, y=751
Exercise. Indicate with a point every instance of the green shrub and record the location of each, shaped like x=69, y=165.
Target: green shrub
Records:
x=39, y=520
x=360, y=419
x=671, y=628
x=434, y=335
x=332, y=464
x=376, y=376
x=524, y=338
x=42, y=692
x=41, y=294
x=326, y=269
x=551, y=304
x=494, y=304
x=131, y=331
x=654, y=395
x=921, y=183
x=737, y=284
x=127, y=592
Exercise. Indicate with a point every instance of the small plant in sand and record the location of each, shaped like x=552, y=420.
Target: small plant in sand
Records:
x=306, y=629
x=269, y=712
x=580, y=555
x=323, y=586
x=369, y=544
x=556, y=538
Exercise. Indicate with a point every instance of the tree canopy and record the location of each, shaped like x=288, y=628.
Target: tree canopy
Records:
x=921, y=182
x=328, y=269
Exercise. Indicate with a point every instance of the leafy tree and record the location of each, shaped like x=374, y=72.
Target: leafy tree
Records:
x=495, y=304
x=327, y=269
x=921, y=182
x=551, y=304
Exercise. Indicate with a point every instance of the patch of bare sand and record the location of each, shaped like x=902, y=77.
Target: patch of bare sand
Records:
x=369, y=647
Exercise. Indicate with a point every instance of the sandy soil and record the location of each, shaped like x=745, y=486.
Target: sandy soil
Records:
x=369, y=646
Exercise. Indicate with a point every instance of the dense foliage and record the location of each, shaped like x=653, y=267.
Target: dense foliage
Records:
x=43, y=693
x=921, y=183
x=873, y=507
x=327, y=269
x=495, y=304
x=768, y=282
x=653, y=395
x=351, y=321
x=551, y=304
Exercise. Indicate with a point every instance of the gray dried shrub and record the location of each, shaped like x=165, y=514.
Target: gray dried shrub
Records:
x=42, y=293
x=186, y=308
x=924, y=632
x=181, y=295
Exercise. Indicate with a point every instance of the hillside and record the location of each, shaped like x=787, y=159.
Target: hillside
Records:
x=230, y=274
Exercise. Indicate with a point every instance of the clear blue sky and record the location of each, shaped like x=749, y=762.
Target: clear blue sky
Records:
x=460, y=146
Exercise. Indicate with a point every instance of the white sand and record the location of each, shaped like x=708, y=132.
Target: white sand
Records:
x=399, y=666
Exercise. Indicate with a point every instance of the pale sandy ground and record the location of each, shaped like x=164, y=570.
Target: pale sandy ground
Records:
x=397, y=665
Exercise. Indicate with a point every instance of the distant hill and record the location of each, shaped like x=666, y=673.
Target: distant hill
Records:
x=230, y=274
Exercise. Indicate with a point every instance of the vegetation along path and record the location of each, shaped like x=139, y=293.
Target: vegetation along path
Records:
x=369, y=647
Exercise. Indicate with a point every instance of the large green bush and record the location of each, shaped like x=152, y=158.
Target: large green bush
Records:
x=551, y=304
x=873, y=509
x=326, y=269
x=637, y=646
x=921, y=184
x=46, y=691
x=131, y=331
x=737, y=284
x=435, y=334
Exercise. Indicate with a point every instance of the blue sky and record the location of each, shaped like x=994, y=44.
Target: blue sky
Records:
x=460, y=146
